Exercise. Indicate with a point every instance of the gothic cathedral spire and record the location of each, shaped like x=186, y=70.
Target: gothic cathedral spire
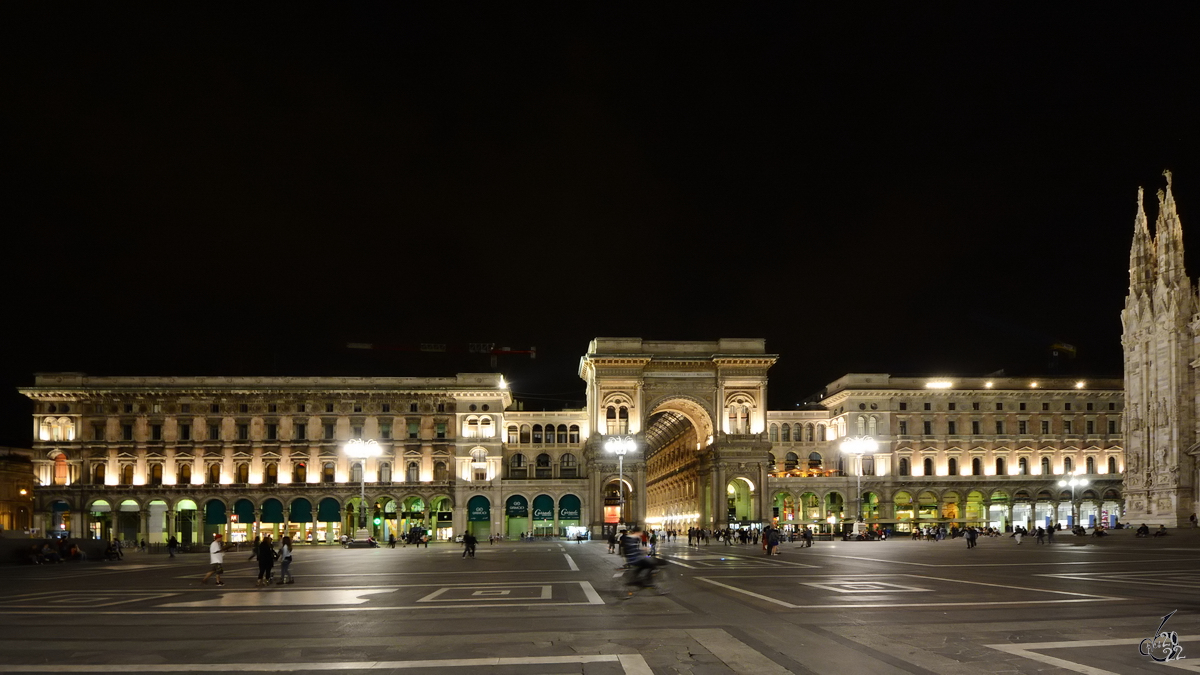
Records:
x=1142, y=262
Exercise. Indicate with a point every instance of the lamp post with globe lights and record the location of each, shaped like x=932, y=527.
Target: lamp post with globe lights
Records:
x=1073, y=482
x=357, y=448
x=619, y=445
x=857, y=446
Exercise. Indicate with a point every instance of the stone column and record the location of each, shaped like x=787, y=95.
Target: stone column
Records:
x=170, y=516
x=143, y=524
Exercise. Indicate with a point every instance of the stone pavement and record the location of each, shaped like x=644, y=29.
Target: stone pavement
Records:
x=1081, y=605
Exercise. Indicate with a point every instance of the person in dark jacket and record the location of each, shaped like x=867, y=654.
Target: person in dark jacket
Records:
x=266, y=561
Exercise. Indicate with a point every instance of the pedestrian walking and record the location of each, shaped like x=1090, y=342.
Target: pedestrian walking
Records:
x=172, y=545
x=1050, y=533
x=1040, y=533
x=285, y=561
x=469, y=542
x=216, y=556
x=254, y=547
x=392, y=540
x=266, y=561
x=971, y=535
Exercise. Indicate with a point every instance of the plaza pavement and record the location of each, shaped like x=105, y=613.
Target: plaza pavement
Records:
x=1081, y=605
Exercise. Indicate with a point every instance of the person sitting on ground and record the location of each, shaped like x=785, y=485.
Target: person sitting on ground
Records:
x=50, y=555
x=1161, y=531
x=1143, y=531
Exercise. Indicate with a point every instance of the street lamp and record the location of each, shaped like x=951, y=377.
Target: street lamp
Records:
x=857, y=446
x=619, y=445
x=1073, y=482
x=357, y=448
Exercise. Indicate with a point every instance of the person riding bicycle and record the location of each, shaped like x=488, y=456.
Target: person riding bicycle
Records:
x=636, y=558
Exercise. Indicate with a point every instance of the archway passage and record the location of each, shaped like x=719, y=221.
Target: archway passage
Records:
x=479, y=516
x=739, y=501
x=676, y=434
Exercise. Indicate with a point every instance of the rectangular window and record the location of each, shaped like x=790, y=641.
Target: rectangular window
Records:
x=156, y=408
x=127, y=432
x=999, y=406
x=98, y=432
x=1112, y=426
x=904, y=405
x=385, y=431
x=128, y=407
x=1021, y=406
x=1022, y=427
x=929, y=406
x=412, y=407
x=301, y=407
x=357, y=407
x=244, y=407
x=975, y=428
x=328, y=407
x=1091, y=406
x=301, y=430
x=99, y=409
x=215, y=408
x=1045, y=406
x=903, y=427
x=952, y=428
x=1091, y=427
x=974, y=405
x=951, y=405
x=356, y=432
x=1112, y=406
x=156, y=432
x=271, y=407
x=928, y=427
x=441, y=407
x=1067, y=427
x=243, y=432
x=1066, y=406
x=214, y=432
x=328, y=431
x=1045, y=427
x=185, y=407
x=413, y=429
x=272, y=432
x=441, y=429
x=387, y=408
x=185, y=432
x=999, y=427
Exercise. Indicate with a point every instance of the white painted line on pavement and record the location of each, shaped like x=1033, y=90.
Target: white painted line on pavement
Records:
x=739, y=656
x=1020, y=564
x=574, y=567
x=1027, y=650
x=633, y=664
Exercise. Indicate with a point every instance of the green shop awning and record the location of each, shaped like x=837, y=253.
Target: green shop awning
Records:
x=301, y=511
x=516, y=507
x=569, y=508
x=543, y=507
x=244, y=510
x=329, y=511
x=214, y=513
x=479, y=509
x=272, y=511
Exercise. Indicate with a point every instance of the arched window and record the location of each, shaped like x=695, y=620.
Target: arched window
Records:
x=127, y=474
x=1068, y=465
x=623, y=420
x=156, y=474
x=787, y=434
x=868, y=465
x=873, y=426
x=1001, y=467
x=412, y=473
x=610, y=419
x=479, y=464
x=926, y=466
x=513, y=434
x=516, y=466
x=814, y=460
x=1023, y=466
x=861, y=421
x=567, y=466
x=573, y=434
x=1112, y=465
x=953, y=466
x=472, y=430
x=62, y=472
x=904, y=466
x=440, y=473
x=242, y=471
x=98, y=472
x=820, y=433
x=525, y=436
x=213, y=474
x=771, y=458
x=790, y=461
x=328, y=472
x=976, y=466
x=774, y=433
x=537, y=433
x=542, y=468
x=485, y=427
x=550, y=434
x=385, y=472
x=271, y=473
x=808, y=432
x=184, y=475
x=1091, y=465
x=300, y=473
x=1045, y=466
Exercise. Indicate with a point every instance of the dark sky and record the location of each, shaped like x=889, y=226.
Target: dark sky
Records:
x=939, y=188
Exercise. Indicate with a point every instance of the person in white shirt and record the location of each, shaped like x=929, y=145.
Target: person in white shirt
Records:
x=216, y=556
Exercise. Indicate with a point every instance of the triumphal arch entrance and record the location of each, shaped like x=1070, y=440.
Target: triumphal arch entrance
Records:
x=696, y=415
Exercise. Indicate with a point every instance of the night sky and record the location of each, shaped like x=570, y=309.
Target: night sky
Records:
x=936, y=189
